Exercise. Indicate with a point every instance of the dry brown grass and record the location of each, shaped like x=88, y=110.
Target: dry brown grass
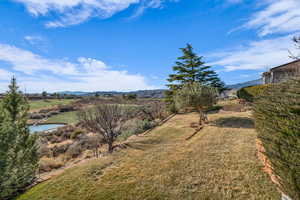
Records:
x=218, y=163
x=49, y=164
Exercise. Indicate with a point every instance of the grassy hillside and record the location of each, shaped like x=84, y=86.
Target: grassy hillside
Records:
x=34, y=105
x=67, y=117
x=218, y=163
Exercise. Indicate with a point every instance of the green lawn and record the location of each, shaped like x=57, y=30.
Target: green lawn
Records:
x=219, y=163
x=39, y=104
x=67, y=117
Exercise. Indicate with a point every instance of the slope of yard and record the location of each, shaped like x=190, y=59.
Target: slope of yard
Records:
x=218, y=163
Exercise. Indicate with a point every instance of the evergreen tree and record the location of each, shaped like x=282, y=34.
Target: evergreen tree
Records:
x=18, y=150
x=214, y=81
x=190, y=69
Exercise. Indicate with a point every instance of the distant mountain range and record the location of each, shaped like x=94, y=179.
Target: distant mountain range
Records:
x=159, y=93
x=245, y=84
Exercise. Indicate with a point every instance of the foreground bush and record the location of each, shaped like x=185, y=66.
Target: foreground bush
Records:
x=250, y=93
x=277, y=117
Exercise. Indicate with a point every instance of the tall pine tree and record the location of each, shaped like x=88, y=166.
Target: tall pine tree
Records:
x=190, y=68
x=18, y=150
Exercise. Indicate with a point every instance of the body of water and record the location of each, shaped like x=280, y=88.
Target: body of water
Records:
x=44, y=127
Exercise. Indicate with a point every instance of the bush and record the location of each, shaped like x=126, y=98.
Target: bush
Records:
x=37, y=116
x=48, y=164
x=136, y=126
x=44, y=150
x=76, y=133
x=250, y=93
x=60, y=149
x=277, y=118
x=196, y=97
x=74, y=150
x=66, y=108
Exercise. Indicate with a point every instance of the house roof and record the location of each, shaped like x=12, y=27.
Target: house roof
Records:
x=275, y=68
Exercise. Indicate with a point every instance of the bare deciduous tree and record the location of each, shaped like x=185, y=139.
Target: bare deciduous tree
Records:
x=153, y=111
x=106, y=120
x=296, y=40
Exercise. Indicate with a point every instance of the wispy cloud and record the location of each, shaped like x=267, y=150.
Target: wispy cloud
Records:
x=258, y=55
x=33, y=39
x=276, y=20
x=85, y=74
x=72, y=12
x=276, y=16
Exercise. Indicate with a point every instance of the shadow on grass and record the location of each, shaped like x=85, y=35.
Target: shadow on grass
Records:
x=234, y=122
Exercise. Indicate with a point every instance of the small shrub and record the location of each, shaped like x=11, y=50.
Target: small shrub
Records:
x=66, y=108
x=74, y=150
x=48, y=164
x=196, y=96
x=75, y=134
x=60, y=149
x=37, y=116
x=250, y=93
x=171, y=108
x=44, y=151
x=277, y=118
x=136, y=126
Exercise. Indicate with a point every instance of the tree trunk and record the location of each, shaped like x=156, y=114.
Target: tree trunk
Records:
x=110, y=147
x=202, y=117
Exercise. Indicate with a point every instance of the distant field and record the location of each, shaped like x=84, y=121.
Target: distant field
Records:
x=48, y=103
x=67, y=117
x=219, y=163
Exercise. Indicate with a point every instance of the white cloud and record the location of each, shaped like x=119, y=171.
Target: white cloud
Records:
x=37, y=73
x=277, y=16
x=28, y=62
x=5, y=75
x=33, y=39
x=278, y=19
x=73, y=12
x=259, y=55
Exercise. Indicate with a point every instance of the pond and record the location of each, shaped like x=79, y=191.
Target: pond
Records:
x=44, y=127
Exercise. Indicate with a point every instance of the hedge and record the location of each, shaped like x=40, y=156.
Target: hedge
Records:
x=250, y=93
x=277, y=120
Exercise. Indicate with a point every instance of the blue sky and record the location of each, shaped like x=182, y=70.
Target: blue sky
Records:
x=125, y=45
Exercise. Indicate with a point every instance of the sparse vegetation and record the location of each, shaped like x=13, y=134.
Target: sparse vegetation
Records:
x=277, y=116
x=220, y=164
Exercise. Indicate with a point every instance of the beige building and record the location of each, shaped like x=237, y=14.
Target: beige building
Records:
x=282, y=72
